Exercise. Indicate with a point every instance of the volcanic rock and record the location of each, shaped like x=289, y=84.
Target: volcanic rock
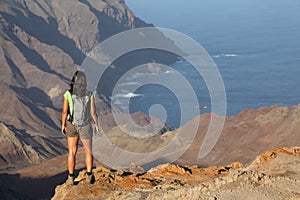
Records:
x=191, y=182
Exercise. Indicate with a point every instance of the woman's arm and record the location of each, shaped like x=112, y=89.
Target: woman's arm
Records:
x=94, y=114
x=64, y=114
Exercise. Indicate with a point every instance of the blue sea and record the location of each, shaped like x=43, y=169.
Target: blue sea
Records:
x=255, y=45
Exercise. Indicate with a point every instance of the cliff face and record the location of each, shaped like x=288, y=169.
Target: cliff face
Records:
x=20, y=148
x=42, y=43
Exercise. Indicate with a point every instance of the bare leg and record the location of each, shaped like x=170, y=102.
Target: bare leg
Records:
x=87, y=145
x=72, y=150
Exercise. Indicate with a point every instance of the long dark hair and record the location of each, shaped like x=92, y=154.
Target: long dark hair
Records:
x=78, y=84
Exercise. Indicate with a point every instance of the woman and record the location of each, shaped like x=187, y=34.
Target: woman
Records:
x=74, y=130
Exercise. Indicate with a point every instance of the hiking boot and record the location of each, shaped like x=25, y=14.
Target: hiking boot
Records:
x=90, y=179
x=70, y=180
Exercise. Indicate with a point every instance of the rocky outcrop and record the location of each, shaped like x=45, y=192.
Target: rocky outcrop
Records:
x=191, y=182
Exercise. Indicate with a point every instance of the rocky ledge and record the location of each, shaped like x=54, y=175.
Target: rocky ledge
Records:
x=272, y=175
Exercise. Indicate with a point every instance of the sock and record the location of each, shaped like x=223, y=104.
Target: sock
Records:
x=89, y=173
x=71, y=175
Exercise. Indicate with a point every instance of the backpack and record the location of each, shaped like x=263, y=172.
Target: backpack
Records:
x=81, y=114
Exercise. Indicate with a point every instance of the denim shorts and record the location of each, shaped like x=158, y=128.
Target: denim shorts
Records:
x=84, y=132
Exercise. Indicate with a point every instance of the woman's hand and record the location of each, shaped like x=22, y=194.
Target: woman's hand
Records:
x=97, y=129
x=63, y=129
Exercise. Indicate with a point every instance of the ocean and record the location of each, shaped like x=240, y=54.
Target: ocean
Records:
x=255, y=45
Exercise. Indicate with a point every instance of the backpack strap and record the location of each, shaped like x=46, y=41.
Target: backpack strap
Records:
x=68, y=96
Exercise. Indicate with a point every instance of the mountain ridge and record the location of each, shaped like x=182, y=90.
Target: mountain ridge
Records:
x=42, y=44
x=46, y=40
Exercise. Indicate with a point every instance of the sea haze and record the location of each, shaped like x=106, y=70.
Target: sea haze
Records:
x=255, y=45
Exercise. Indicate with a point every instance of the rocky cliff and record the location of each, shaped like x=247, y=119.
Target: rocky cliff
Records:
x=20, y=148
x=273, y=175
x=42, y=43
